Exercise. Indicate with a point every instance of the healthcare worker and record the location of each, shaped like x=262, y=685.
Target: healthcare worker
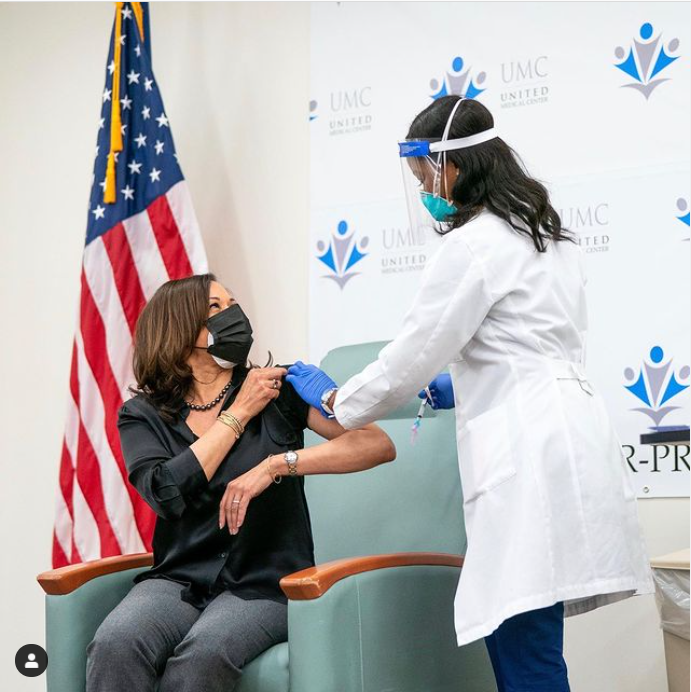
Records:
x=550, y=513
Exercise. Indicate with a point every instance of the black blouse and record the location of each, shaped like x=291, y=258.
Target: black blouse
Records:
x=275, y=538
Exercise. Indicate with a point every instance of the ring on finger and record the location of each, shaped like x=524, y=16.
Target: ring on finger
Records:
x=275, y=383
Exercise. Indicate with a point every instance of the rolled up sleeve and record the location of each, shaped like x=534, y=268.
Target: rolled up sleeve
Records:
x=166, y=483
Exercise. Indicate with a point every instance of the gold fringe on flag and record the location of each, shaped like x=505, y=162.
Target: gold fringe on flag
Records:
x=109, y=195
x=139, y=16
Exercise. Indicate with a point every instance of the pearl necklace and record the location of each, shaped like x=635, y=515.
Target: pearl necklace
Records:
x=211, y=404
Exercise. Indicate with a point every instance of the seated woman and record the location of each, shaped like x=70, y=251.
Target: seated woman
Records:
x=214, y=447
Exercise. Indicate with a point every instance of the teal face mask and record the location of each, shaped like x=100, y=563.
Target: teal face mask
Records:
x=438, y=207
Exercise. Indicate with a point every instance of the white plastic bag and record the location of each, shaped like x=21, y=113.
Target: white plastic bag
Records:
x=672, y=596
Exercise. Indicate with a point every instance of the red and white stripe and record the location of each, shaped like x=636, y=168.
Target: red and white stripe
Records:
x=98, y=512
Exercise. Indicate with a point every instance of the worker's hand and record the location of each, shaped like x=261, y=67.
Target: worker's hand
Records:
x=441, y=390
x=310, y=383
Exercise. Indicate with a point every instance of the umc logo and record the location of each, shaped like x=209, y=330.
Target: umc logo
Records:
x=646, y=59
x=403, y=250
x=342, y=254
x=350, y=111
x=590, y=224
x=656, y=384
x=684, y=216
x=458, y=82
x=526, y=82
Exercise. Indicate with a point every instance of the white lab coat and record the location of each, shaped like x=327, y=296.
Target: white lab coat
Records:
x=549, y=509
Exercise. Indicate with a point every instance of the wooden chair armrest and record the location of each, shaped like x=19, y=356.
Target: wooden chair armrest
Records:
x=64, y=580
x=307, y=584
x=313, y=582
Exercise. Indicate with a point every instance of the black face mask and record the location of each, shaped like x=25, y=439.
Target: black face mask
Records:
x=232, y=335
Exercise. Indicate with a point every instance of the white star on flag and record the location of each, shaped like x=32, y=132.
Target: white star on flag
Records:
x=106, y=95
x=162, y=120
x=122, y=129
x=148, y=83
x=138, y=50
x=127, y=13
x=134, y=167
x=146, y=112
x=155, y=175
x=98, y=212
x=103, y=184
x=159, y=147
x=122, y=39
x=111, y=67
x=128, y=192
x=101, y=123
x=133, y=77
x=96, y=154
x=126, y=102
x=141, y=140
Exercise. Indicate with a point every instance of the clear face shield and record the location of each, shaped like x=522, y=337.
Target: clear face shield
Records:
x=424, y=181
x=425, y=175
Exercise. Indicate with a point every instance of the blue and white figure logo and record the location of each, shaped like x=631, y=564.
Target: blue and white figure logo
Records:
x=646, y=59
x=684, y=217
x=313, y=110
x=656, y=384
x=458, y=82
x=342, y=253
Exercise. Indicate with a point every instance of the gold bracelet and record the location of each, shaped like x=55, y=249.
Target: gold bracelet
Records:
x=236, y=419
x=273, y=475
x=230, y=419
x=232, y=422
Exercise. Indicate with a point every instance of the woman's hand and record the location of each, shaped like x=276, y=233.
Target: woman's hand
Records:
x=239, y=493
x=261, y=386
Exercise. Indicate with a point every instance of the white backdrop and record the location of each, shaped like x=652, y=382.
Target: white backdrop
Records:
x=596, y=99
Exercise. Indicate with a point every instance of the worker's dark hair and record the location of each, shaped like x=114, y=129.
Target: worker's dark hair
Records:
x=491, y=174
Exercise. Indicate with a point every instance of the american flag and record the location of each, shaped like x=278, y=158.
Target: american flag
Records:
x=141, y=231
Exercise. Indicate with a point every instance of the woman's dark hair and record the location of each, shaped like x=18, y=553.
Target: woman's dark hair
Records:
x=491, y=174
x=165, y=334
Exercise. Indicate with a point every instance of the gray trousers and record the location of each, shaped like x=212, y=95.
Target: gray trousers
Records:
x=153, y=633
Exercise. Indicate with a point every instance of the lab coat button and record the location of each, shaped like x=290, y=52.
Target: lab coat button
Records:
x=222, y=555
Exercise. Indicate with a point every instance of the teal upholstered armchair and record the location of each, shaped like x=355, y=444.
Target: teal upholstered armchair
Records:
x=376, y=613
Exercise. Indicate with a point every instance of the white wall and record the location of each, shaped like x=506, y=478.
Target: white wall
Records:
x=234, y=78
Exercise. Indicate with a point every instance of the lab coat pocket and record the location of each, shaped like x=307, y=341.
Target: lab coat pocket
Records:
x=486, y=455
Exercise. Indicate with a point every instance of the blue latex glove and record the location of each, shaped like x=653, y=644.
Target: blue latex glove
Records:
x=441, y=390
x=310, y=383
